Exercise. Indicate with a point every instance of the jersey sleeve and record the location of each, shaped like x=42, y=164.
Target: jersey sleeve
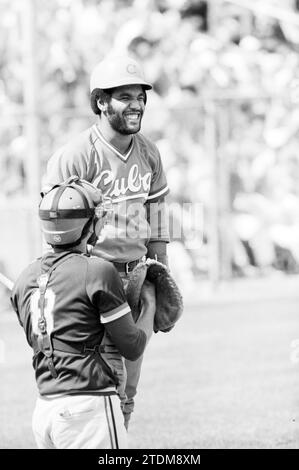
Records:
x=105, y=290
x=75, y=159
x=157, y=214
x=159, y=187
x=129, y=340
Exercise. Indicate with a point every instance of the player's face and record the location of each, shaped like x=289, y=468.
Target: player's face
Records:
x=126, y=108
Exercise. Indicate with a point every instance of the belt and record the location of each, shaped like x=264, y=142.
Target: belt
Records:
x=81, y=348
x=126, y=267
x=84, y=348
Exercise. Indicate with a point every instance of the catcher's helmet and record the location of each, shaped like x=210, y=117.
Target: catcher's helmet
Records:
x=66, y=208
x=115, y=71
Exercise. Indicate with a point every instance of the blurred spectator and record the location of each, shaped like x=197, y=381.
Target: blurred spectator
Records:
x=191, y=52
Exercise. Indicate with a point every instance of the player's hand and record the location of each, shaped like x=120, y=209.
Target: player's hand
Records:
x=148, y=294
x=147, y=309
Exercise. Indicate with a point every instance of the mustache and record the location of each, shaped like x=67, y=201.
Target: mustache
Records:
x=133, y=111
x=110, y=111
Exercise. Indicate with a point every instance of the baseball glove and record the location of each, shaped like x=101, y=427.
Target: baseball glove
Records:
x=169, y=302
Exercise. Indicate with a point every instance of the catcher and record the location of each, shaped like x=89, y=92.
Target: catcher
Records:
x=66, y=301
x=114, y=156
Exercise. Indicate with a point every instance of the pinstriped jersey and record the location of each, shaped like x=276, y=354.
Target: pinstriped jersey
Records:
x=135, y=182
x=84, y=298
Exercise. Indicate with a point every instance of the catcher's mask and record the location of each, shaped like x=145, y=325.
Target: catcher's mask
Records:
x=69, y=209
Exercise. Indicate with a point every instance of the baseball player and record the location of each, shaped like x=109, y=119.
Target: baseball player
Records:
x=66, y=301
x=114, y=156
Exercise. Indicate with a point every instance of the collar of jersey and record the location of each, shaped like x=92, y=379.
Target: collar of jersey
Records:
x=123, y=157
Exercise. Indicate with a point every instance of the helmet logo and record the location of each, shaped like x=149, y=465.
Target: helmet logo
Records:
x=132, y=69
x=57, y=238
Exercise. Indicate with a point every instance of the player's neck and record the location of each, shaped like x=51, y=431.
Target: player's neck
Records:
x=81, y=248
x=120, y=141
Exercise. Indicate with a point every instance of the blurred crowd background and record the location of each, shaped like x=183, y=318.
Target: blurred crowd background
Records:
x=224, y=112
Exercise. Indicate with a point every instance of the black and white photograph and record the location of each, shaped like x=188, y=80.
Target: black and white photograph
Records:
x=149, y=234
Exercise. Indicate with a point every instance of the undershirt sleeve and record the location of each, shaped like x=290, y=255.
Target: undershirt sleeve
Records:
x=129, y=340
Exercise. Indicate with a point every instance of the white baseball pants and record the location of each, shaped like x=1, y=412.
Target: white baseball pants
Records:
x=79, y=422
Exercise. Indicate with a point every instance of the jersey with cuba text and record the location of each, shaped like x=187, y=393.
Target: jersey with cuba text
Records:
x=135, y=182
x=84, y=298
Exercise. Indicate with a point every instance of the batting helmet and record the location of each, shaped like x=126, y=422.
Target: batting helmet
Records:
x=116, y=71
x=66, y=208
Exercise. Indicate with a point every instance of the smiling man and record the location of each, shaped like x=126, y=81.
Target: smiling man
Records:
x=114, y=156
x=121, y=118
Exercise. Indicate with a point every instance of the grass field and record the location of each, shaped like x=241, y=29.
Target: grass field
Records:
x=222, y=378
